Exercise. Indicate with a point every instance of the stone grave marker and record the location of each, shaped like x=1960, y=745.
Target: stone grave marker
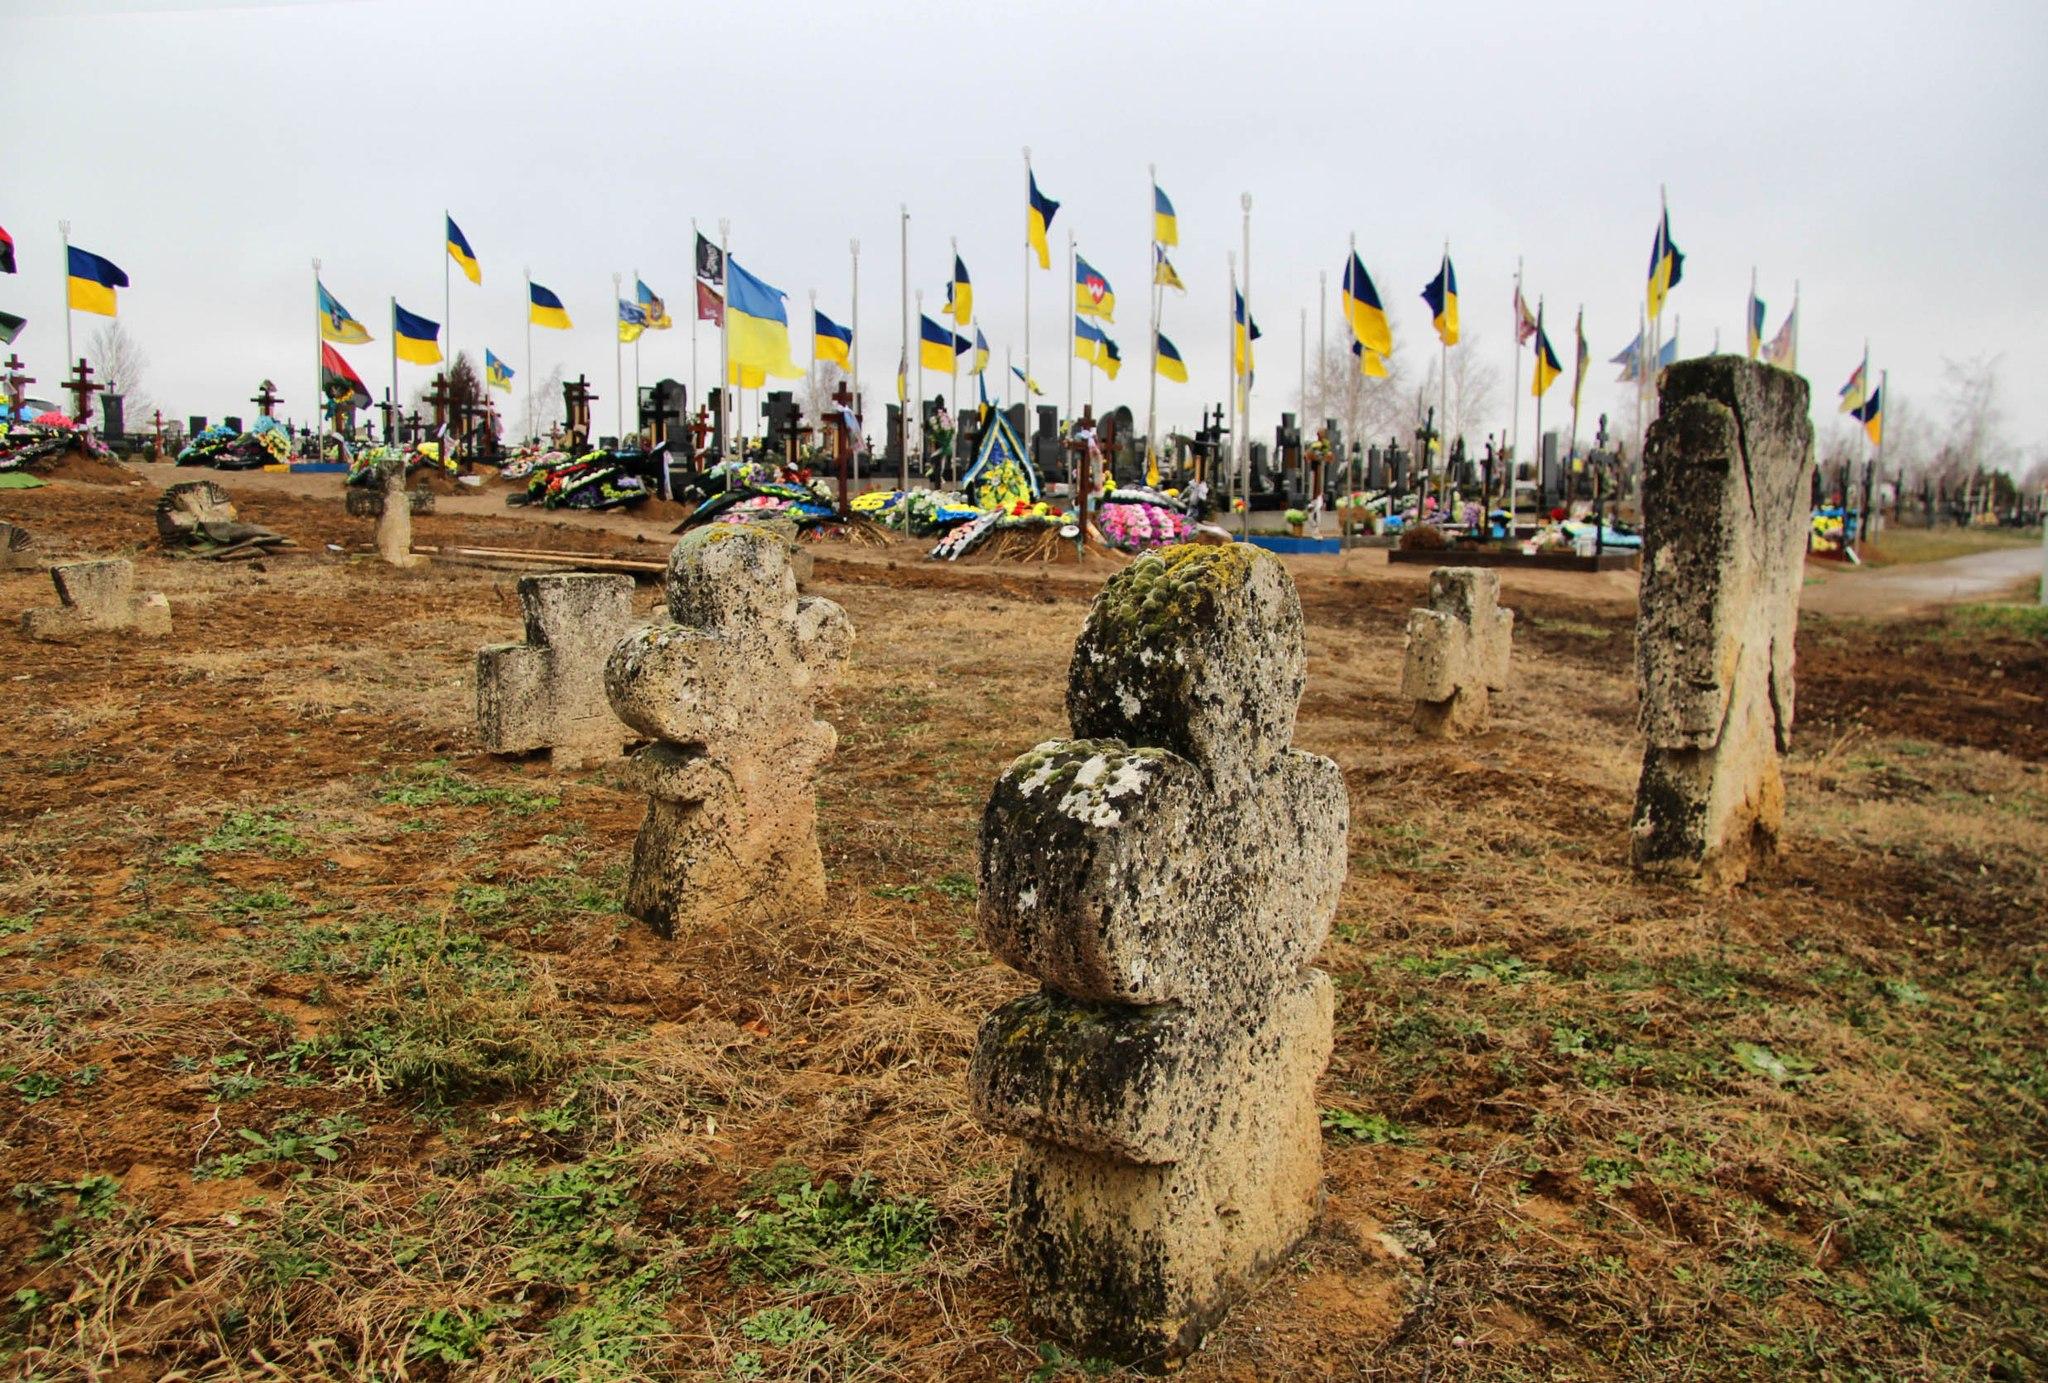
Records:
x=1726, y=474
x=96, y=597
x=548, y=692
x=1163, y=1078
x=394, y=516
x=1457, y=652
x=14, y=543
x=724, y=686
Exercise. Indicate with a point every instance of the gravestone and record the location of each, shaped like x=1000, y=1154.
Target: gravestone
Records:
x=548, y=693
x=232, y=424
x=1457, y=652
x=1163, y=1078
x=96, y=597
x=394, y=517
x=113, y=423
x=724, y=686
x=662, y=409
x=14, y=542
x=1726, y=473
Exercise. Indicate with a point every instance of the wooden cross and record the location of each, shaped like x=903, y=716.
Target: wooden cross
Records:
x=842, y=445
x=412, y=426
x=385, y=409
x=576, y=401
x=17, y=383
x=1080, y=472
x=266, y=399
x=441, y=397
x=81, y=388
x=159, y=418
x=699, y=430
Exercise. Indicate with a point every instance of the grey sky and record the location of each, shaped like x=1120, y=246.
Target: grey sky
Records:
x=1888, y=156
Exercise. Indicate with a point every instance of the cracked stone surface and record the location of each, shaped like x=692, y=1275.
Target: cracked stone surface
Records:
x=1457, y=653
x=724, y=686
x=1726, y=479
x=1163, y=1077
x=394, y=517
x=548, y=692
x=98, y=597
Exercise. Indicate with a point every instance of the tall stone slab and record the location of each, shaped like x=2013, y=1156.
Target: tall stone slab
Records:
x=548, y=693
x=724, y=686
x=98, y=597
x=1163, y=1078
x=394, y=518
x=1457, y=653
x=1726, y=477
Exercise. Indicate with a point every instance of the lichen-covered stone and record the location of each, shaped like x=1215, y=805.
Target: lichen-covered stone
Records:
x=548, y=693
x=1726, y=480
x=97, y=597
x=1163, y=1081
x=1457, y=653
x=724, y=687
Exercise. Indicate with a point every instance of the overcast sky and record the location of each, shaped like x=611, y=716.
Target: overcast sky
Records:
x=1889, y=156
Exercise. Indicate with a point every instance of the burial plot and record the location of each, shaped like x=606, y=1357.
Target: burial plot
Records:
x=1726, y=473
x=548, y=693
x=1163, y=1079
x=98, y=597
x=1457, y=652
x=724, y=687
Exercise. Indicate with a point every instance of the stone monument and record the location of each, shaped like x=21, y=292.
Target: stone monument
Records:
x=548, y=693
x=724, y=688
x=97, y=597
x=1163, y=1078
x=1457, y=652
x=1726, y=474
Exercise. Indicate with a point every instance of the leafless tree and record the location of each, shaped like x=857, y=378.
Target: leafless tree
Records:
x=1473, y=384
x=1976, y=440
x=119, y=361
x=538, y=409
x=1368, y=410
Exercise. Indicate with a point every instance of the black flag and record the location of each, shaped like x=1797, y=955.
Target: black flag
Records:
x=710, y=262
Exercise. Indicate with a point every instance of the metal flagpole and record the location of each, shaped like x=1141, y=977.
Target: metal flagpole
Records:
x=319, y=371
x=636, y=354
x=853, y=326
x=64, y=230
x=1152, y=383
x=1578, y=335
x=1515, y=395
x=918, y=402
x=695, y=401
x=903, y=365
x=725, y=399
x=1244, y=438
x=1322, y=331
x=1027, y=272
x=953, y=350
x=1443, y=405
x=397, y=435
x=532, y=421
x=1072, y=322
x=1536, y=376
x=618, y=365
x=811, y=372
x=1230, y=357
x=447, y=298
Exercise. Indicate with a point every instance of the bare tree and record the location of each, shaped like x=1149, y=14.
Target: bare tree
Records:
x=1976, y=439
x=537, y=408
x=1473, y=385
x=819, y=385
x=1368, y=409
x=120, y=362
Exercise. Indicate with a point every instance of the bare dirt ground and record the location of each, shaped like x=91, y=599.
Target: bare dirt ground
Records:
x=325, y=1052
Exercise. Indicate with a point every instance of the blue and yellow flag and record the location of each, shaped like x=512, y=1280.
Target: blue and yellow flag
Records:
x=1363, y=311
x=1667, y=265
x=1871, y=414
x=1852, y=393
x=1093, y=297
x=1088, y=341
x=459, y=251
x=1028, y=382
x=1756, y=325
x=544, y=309
x=980, y=352
x=831, y=343
x=1630, y=359
x=960, y=294
x=1112, y=358
x=1441, y=293
x=1163, y=273
x=335, y=323
x=937, y=345
x=902, y=377
x=1371, y=364
x=1547, y=368
x=745, y=376
x=1038, y=220
x=1243, y=351
x=416, y=339
x=1165, y=225
x=632, y=320
x=92, y=282
x=757, y=325
x=1171, y=366
x=497, y=374
x=651, y=304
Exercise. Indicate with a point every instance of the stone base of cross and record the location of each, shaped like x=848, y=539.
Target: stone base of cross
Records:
x=1457, y=653
x=548, y=692
x=98, y=597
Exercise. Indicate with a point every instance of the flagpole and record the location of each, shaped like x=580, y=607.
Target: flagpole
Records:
x=1072, y=321
x=1301, y=421
x=64, y=230
x=1230, y=357
x=953, y=349
x=318, y=455
x=532, y=419
x=1443, y=409
x=853, y=326
x=1322, y=328
x=726, y=403
x=1578, y=335
x=397, y=434
x=1515, y=398
x=618, y=365
x=903, y=366
x=1884, y=385
x=918, y=410
x=1863, y=430
x=447, y=301
x=1244, y=439
x=636, y=352
x=1152, y=384
x=1027, y=280
x=1536, y=376
x=811, y=373
x=695, y=401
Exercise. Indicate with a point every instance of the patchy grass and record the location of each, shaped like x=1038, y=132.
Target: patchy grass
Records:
x=1897, y=546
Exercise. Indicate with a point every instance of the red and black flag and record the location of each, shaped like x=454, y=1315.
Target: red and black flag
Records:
x=341, y=383
x=6, y=251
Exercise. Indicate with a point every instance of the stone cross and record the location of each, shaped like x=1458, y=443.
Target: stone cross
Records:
x=1726, y=472
x=724, y=687
x=98, y=596
x=548, y=693
x=267, y=399
x=81, y=389
x=1163, y=1078
x=1457, y=652
x=394, y=518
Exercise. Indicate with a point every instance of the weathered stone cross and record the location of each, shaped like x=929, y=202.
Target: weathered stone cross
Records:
x=1457, y=652
x=548, y=693
x=98, y=596
x=1163, y=1079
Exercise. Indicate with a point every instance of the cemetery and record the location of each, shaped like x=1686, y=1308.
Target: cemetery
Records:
x=711, y=953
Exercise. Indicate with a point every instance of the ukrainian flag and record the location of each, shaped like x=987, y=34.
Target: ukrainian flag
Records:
x=1027, y=381
x=1547, y=368
x=1362, y=309
x=1756, y=325
x=1165, y=225
x=960, y=294
x=632, y=320
x=1667, y=265
x=980, y=352
x=459, y=251
x=757, y=325
x=1038, y=220
x=1371, y=364
x=937, y=346
x=544, y=309
x=656, y=310
x=1852, y=392
x=1163, y=273
x=1442, y=296
x=1871, y=415
x=1088, y=341
x=746, y=376
x=1170, y=364
x=1112, y=358
x=1243, y=352
x=497, y=374
x=93, y=281
x=902, y=377
x=335, y=323
x=831, y=343
x=417, y=339
x=1093, y=297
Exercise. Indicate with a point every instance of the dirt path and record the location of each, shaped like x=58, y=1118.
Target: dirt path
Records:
x=1883, y=592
